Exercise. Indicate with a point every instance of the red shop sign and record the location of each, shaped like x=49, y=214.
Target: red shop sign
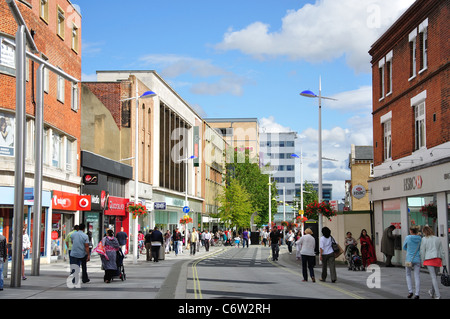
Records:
x=69, y=201
x=117, y=206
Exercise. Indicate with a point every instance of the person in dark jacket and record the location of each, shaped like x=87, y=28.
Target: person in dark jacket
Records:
x=157, y=240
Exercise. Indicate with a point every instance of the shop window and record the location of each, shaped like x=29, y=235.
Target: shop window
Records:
x=391, y=216
x=422, y=210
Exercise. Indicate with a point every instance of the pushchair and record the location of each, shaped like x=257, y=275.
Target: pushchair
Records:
x=353, y=258
x=120, y=268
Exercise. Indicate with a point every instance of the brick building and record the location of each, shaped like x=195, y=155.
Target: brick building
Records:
x=411, y=116
x=56, y=28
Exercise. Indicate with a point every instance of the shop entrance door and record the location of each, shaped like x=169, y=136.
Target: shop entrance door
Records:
x=62, y=225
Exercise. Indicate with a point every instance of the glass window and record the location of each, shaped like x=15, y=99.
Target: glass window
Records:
x=422, y=210
x=56, y=150
x=387, y=140
x=419, y=113
x=391, y=216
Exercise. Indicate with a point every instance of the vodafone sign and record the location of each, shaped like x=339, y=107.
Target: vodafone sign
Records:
x=69, y=201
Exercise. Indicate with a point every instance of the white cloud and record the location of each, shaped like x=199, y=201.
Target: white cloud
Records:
x=268, y=125
x=324, y=31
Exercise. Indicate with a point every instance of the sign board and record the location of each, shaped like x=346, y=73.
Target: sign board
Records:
x=358, y=191
x=160, y=205
x=71, y=202
x=186, y=209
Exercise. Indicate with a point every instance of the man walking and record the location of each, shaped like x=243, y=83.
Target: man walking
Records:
x=193, y=241
x=207, y=239
x=157, y=241
x=274, y=242
x=80, y=251
x=245, y=238
x=122, y=238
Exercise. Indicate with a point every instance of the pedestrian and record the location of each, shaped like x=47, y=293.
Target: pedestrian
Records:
x=148, y=245
x=141, y=241
x=3, y=258
x=157, y=241
x=193, y=238
x=387, y=245
x=176, y=237
x=274, y=242
x=167, y=238
x=290, y=240
x=109, y=260
x=245, y=238
x=298, y=247
x=237, y=241
x=80, y=251
x=265, y=236
x=26, y=244
x=198, y=241
x=327, y=255
x=412, y=246
x=307, y=245
x=122, y=237
x=432, y=255
x=68, y=242
x=367, y=249
x=207, y=239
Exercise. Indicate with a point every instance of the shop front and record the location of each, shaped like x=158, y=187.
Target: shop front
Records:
x=417, y=197
x=7, y=213
x=65, y=207
x=117, y=217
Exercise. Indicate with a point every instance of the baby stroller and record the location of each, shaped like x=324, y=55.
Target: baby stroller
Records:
x=353, y=258
x=120, y=268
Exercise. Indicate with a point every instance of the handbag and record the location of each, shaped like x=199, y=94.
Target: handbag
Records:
x=408, y=264
x=336, y=248
x=445, y=278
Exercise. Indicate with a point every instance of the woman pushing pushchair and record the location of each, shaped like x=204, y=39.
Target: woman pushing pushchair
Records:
x=352, y=253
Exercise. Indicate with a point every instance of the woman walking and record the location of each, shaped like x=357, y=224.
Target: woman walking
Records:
x=367, y=249
x=432, y=254
x=307, y=245
x=110, y=246
x=327, y=255
x=412, y=246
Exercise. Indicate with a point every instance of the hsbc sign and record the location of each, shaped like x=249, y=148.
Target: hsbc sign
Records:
x=412, y=183
x=69, y=201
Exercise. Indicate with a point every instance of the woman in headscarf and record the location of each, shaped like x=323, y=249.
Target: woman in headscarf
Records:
x=367, y=249
x=111, y=246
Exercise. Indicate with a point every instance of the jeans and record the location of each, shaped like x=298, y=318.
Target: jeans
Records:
x=82, y=262
x=308, y=263
x=244, y=242
x=416, y=268
x=175, y=247
x=433, y=274
x=275, y=251
x=1, y=273
x=193, y=248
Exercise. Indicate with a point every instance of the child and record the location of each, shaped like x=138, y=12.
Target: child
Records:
x=237, y=240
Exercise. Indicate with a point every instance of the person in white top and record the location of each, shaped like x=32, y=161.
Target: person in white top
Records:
x=207, y=239
x=307, y=245
x=327, y=255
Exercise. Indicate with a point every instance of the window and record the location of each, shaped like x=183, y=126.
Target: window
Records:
x=389, y=73
x=413, y=54
x=60, y=89
x=423, y=36
x=387, y=140
x=60, y=21
x=75, y=38
x=44, y=10
x=56, y=150
x=74, y=104
x=70, y=148
x=381, y=75
x=419, y=115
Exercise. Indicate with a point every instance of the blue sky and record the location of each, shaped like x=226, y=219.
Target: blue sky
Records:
x=252, y=58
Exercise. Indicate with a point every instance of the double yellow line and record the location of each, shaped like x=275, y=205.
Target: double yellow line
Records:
x=197, y=289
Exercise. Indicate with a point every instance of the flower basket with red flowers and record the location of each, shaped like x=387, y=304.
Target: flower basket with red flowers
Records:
x=137, y=210
x=313, y=209
x=429, y=211
x=284, y=223
x=301, y=219
x=185, y=220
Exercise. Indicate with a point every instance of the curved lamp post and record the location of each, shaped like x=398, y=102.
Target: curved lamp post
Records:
x=311, y=94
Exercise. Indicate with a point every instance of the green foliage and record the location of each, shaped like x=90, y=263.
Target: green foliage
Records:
x=235, y=205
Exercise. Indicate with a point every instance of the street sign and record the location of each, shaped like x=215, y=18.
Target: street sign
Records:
x=186, y=209
x=160, y=205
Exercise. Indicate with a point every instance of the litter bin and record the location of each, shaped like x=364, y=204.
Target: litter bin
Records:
x=254, y=238
x=162, y=254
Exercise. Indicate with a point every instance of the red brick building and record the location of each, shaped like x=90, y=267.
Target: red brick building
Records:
x=56, y=28
x=411, y=121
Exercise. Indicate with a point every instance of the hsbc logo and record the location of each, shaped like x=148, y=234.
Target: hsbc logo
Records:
x=412, y=183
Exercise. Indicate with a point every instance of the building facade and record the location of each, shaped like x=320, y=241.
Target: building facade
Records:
x=56, y=29
x=411, y=131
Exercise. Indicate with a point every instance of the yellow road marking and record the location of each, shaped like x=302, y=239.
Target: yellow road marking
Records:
x=195, y=274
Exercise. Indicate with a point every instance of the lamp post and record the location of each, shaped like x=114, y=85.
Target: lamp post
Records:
x=310, y=94
x=186, y=203
x=147, y=94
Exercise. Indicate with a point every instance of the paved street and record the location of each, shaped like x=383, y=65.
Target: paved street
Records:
x=223, y=273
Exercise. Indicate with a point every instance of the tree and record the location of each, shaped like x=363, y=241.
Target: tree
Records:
x=309, y=195
x=235, y=205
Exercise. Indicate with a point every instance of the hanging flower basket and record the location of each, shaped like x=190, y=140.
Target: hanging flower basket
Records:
x=301, y=219
x=185, y=220
x=284, y=223
x=137, y=210
x=429, y=211
x=313, y=209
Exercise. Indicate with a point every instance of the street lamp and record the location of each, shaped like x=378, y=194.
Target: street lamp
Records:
x=148, y=94
x=186, y=203
x=310, y=94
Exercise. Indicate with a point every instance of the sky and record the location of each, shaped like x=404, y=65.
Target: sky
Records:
x=251, y=59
